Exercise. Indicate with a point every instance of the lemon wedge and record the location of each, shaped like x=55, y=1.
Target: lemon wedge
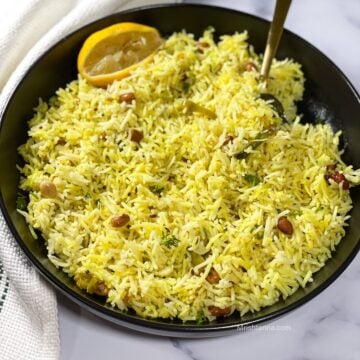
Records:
x=113, y=52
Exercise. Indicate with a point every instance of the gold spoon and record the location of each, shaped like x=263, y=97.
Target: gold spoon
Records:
x=274, y=36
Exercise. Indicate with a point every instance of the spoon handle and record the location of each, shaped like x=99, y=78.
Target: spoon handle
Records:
x=275, y=32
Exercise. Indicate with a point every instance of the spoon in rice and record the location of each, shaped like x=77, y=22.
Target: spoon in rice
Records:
x=274, y=36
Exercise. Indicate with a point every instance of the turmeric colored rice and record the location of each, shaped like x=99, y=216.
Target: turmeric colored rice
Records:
x=163, y=192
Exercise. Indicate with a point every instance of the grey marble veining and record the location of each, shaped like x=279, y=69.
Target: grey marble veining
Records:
x=326, y=328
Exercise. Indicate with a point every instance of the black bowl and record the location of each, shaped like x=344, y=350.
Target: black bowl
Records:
x=329, y=96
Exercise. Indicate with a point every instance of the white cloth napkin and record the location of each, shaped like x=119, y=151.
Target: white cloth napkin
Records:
x=28, y=310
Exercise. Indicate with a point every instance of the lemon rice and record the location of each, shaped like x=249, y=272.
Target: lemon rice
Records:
x=182, y=220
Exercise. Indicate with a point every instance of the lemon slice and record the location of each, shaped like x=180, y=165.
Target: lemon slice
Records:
x=112, y=53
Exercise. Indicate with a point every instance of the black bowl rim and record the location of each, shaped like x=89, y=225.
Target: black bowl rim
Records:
x=148, y=325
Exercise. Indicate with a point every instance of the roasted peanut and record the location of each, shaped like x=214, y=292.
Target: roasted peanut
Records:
x=213, y=277
x=48, y=189
x=120, y=220
x=285, y=226
x=216, y=311
x=61, y=142
x=101, y=289
x=127, y=98
x=250, y=66
x=136, y=135
x=331, y=167
x=201, y=45
x=340, y=178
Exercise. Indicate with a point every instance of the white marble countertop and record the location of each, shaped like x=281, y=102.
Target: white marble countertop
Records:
x=328, y=327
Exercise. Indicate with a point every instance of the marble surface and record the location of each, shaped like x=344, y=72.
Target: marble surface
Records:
x=328, y=327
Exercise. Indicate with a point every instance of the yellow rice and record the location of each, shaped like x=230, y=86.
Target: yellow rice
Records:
x=208, y=202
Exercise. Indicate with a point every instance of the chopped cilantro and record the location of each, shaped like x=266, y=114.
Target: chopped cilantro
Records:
x=185, y=86
x=252, y=179
x=169, y=240
x=297, y=212
x=201, y=318
x=156, y=189
x=21, y=201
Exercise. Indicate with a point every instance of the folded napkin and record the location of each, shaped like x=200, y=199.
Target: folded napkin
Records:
x=28, y=310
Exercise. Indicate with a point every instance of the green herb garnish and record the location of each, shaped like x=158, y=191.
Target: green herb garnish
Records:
x=169, y=240
x=242, y=155
x=185, y=86
x=156, y=189
x=275, y=103
x=295, y=212
x=259, y=139
x=201, y=318
x=252, y=179
x=21, y=201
